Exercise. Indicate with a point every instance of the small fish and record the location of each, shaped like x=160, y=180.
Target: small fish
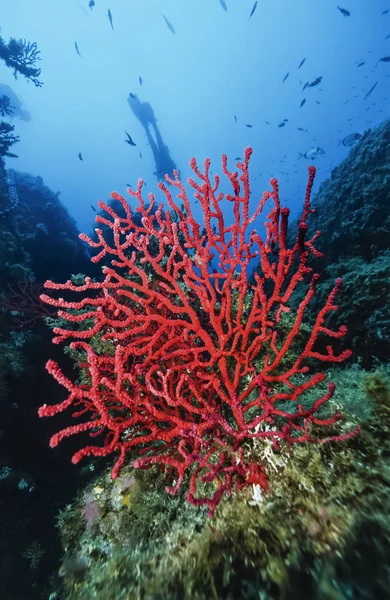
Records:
x=302, y=103
x=285, y=77
x=223, y=4
x=317, y=102
x=361, y=64
x=300, y=129
x=93, y=208
x=351, y=139
x=316, y=81
x=80, y=156
x=387, y=37
x=253, y=9
x=110, y=18
x=169, y=25
x=77, y=49
x=301, y=63
x=370, y=90
x=140, y=80
x=385, y=12
x=238, y=158
x=248, y=125
x=305, y=86
x=282, y=124
x=267, y=122
x=128, y=185
x=385, y=59
x=312, y=153
x=91, y=4
x=140, y=154
x=129, y=140
x=344, y=11
x=132, y=95
x=235, y=118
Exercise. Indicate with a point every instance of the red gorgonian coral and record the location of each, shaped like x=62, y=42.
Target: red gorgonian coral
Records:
x=200, y=359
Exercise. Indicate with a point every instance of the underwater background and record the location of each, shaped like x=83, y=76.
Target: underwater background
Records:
x=263, y=501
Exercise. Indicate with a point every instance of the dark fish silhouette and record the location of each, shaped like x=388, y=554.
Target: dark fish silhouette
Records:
x=129, y=140
x=285, y=77
x=140, y=154
x=387, y=37
x=110, y=18
x=315, y=82
x=300, y=129
x=91, y=5
x=140, y=80
x=132, y=95
x=235, y=118
x=80, y=156
x=169, y=25
x=385, y=12
x=370, y=90
x=302, y=103
x=128, y=185
x=344, y=11
x=253, y=9
x=361, y=64
x=282, y=124
x=248, y=125
x=93, y=208
x=301, y=63
x=385, y=59
x=223, y=4
x=77, y=49
x=238, y=158
x=305, y=86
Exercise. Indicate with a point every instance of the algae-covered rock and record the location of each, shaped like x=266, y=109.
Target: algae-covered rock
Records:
x=321, y=531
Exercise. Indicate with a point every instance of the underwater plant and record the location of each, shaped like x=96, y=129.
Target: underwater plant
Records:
x=200, y=359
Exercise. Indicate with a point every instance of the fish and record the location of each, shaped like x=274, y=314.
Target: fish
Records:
x=248, y=125
x=253, y=10
x=129, y=140
x=316, y=81
x=267, y=122
x=223, y=4
x=110, y=18
x=238, y=158
x=91, y=4
x=344, y=11
x=235, y=118
x=80, y=156
x=351, y=139
x=385, y=59
x=140, y=80
x=361, y=64
x=387, y=37
x=132, y=95
x=312, y=154
x=128, y=185
x=302, y=103
x=140, y=154
x=370, y=90
x=317, y=102
x=77, y=49
x=285, y=77
x=169, y=25
x=301, y=63
x=385, y=12
x=93, y=208
x=300, y=129
x=282, y=124
x=305, y=86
